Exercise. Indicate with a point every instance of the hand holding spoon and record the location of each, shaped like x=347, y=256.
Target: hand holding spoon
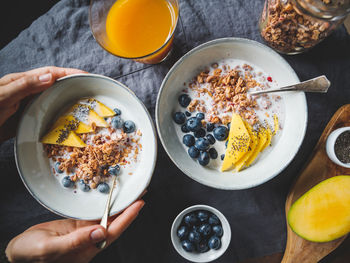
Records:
x=319, y=84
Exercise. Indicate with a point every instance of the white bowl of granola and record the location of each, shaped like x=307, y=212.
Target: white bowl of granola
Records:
x=73, y=181
x=210, y=84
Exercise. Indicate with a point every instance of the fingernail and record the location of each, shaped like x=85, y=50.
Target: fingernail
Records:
x=45, y=78
x=97, y=235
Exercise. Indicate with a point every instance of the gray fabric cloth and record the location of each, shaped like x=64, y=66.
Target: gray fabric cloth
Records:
x=62, y=37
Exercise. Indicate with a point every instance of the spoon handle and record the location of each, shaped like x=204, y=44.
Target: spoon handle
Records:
x=104, y=219
x=319, y=84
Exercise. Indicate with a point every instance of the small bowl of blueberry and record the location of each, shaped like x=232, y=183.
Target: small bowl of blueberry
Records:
x=200, y=233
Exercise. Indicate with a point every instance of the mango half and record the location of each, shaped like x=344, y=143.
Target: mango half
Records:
x=322, y=214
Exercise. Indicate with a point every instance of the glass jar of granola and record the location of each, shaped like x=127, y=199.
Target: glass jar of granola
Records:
x=294, y=26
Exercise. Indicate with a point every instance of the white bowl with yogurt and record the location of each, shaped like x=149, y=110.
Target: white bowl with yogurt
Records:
x=34, y=166
x=292, y=112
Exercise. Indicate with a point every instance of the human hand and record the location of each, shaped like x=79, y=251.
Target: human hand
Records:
x=15, y=87
x=68, y=240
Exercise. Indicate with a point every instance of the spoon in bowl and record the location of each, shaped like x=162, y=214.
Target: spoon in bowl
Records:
x=319, y=84
x=104, y=219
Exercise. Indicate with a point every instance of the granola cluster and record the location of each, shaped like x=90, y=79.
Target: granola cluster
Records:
x=288, y=31
x=91, y=163
x=227, y=89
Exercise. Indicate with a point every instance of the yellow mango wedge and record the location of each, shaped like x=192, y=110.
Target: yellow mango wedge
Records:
x=275, y=124
x=254, y=137
x=238, y=143
x=262, y=138
x=268, y=137
x=55, y=135
x=101, y=109
x=322, y=214
x=81, y=127
x=78, y=110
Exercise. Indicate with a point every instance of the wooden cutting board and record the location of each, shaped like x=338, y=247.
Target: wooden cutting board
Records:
x=319, y=168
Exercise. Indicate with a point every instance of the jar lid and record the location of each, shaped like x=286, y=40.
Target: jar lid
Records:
x=324, y=9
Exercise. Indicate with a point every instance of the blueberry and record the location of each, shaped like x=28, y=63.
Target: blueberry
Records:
x=114, y=170
x=213, y=153
x=202, y=144
x=210, y=126
x=190, y=219
x=117, y=111
x=57, y=167
x=211, y=139
x=184, y=128
x=226, y=144
x=202, y=246
x=182, y=232
x=129, y=127
x=117, y=122
x=203, y=158
x=200, y=133
x=221, y=133
x=188, y=140
x=83, y=186
x=214, y=242
x=179, y=117
x=67, y=182
x=205, y=229
x=103, y=188
x=229, y=125
x=193, y=124
x=193, y=152
x=184, y=100
x=200, y=116
x=222, y=157
x=213, y=220
x=202, y=216
x=188, y=114
x=194, y=237
x=187, y=245
x=217, y=230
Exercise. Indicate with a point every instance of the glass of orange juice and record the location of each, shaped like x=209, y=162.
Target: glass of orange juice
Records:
x=142, y=30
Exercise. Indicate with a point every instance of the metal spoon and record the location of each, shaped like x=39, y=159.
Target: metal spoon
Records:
x=104, y=219
x=319, y=84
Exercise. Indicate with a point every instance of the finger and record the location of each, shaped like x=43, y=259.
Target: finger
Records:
x=80, y=238
x=61, y=72
x=117, y=227
x=32, y=82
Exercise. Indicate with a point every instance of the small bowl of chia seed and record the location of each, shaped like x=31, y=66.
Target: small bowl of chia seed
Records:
x=338, y=146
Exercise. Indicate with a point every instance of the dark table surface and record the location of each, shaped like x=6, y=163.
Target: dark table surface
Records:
x=256, y=215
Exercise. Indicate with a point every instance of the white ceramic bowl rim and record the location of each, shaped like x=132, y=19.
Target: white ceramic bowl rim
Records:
x=31, y=102
x=181, y=61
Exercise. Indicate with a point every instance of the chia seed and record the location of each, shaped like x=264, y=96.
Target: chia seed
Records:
x=342, y=147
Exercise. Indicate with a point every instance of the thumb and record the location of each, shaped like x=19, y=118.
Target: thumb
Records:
x=81, y=238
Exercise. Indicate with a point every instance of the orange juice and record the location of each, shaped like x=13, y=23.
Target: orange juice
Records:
x=137, y=28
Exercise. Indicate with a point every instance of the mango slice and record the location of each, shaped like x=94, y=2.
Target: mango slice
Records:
x=254, y=137
x=101, y=109
x=238, y=143
x=268, y=137
x=85, y=114
x=322, y=214
x=275, y=124
x=262, y=138
x=62, y=135
x=69, y=119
